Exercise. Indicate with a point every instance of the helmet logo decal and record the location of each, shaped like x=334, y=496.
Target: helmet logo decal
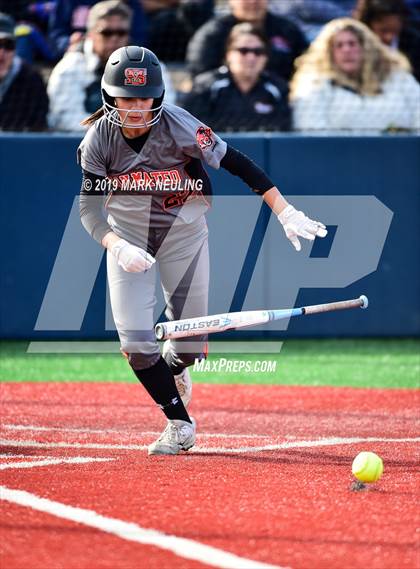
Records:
x=135, y=76
x=204, y=137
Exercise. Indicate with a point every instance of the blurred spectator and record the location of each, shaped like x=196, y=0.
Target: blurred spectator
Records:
x=23, y=97
x=172, y=23
x=74, y=87
x=388, y=19
x=241, y=96
x=349, y=80
x=414, y=13
x=31, y=28
x=206, y=48
x=311, y=15
x=68, y=23
x=15, y=9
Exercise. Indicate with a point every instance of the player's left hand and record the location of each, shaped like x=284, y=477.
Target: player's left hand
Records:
x=296, y=224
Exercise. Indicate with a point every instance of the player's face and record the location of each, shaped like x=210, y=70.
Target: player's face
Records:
x=387, y=28
x=134, y=112
x=246, y=57
x=347, y=52
x=7, y=52
x=108, y=35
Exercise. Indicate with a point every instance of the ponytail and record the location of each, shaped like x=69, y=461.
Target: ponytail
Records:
x=89, y=121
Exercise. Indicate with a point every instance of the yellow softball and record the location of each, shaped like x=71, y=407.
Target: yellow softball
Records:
x=367, y=467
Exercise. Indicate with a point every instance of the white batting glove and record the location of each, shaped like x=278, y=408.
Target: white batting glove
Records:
x=296, y=224
x=131, y=258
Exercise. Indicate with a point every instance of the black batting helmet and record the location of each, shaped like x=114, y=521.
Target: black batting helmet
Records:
x=134, y=72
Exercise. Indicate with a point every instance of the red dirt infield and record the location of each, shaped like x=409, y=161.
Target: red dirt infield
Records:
x=268, y=480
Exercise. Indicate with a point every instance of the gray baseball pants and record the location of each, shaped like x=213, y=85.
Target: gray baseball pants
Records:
x=181, y=253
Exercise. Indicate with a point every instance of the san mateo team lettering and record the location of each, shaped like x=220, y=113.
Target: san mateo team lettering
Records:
x=143, y=181
x=158, y=181
x=197, y=325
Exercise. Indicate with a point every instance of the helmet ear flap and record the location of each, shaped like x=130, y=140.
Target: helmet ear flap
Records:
x=107, y=98
x=158, y=101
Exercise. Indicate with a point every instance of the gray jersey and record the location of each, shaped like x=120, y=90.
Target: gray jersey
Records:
x=150, y=187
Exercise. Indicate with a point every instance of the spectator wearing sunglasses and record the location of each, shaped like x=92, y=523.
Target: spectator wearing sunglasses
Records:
x=241, y=95
x=206, y=48
x=23, y=97
x=68, y=23
x=74, y=86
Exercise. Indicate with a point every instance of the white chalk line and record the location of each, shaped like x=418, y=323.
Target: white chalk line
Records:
x=182, y=547
x=36, y=428
x=64, y=444
x=51, y=461
x=8, y=455
x=331, y=441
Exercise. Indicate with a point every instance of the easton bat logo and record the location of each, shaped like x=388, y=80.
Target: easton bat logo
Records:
x=197, y=325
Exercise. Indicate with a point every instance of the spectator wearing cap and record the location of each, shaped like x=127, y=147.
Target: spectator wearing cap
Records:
x=23, y=97
x=31, y=28
x=241, y=95
x=74, y=86
x=206, y=49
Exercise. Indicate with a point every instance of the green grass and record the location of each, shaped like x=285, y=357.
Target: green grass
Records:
x=358, y=363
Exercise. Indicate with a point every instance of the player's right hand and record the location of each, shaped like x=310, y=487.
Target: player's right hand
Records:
x=131, y=258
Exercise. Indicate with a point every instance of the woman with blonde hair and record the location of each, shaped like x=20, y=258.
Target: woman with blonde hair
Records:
x=349, y=80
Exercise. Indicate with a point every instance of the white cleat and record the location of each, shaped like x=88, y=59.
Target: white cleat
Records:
x=184, y=386
x=177, y=436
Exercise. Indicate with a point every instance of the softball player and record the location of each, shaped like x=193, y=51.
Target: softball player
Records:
x=146, y=158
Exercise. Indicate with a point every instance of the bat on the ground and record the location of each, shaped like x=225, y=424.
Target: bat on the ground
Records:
x=229, y=320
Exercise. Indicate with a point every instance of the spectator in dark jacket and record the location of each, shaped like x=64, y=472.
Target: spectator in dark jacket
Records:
x=23, y=97
x=241, y=96
x=206, y=48
x=172, y=23
x=388, y=19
